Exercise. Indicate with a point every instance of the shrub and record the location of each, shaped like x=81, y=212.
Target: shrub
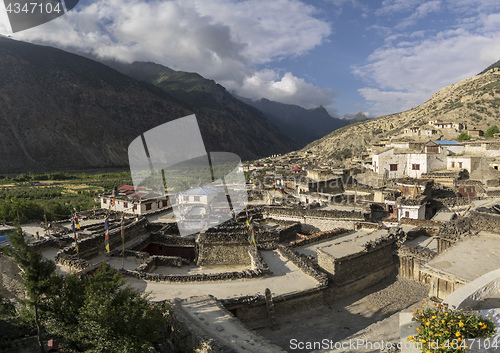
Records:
x=445, y=330
x=491, y=131
x=463, y=136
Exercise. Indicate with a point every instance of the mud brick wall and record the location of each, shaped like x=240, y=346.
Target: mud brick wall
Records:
x=353, y=267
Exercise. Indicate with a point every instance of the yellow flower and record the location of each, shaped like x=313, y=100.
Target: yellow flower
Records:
x=423, y=341
x=433, y=316
x=460, y=324
x=442, y=321
x=457, y=334
x=410, y=338
x=427, y=323
x=483, y=327
x=459, y=339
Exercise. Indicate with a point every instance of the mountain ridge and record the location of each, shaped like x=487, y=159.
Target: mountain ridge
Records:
x=473, y=101
x=61, y=111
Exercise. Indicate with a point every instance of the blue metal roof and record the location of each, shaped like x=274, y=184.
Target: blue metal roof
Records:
x=448, y=142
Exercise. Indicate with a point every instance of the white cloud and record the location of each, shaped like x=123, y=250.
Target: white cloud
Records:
x=224, y=40
x=410, y=67
x=286, y=89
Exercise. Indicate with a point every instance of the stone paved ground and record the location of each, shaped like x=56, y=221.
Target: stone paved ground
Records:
x=356, y=317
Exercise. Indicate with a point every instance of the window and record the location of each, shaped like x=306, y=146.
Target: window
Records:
x=459, y=164
x=148, y=206
x=453, y=164
x=407, y=214
x=415, y=167
x=432, y=149
x=104, y=200
x=393, y=167
x=196, y=198
x=125, y=205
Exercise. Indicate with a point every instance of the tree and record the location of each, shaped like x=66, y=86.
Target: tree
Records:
x=491, y=131
x=463, y=136
x=38, y=276
x=100, y=314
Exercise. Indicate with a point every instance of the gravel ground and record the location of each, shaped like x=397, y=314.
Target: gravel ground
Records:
x=359, y=316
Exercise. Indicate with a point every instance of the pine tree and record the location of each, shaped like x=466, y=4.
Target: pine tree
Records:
x=38, y=275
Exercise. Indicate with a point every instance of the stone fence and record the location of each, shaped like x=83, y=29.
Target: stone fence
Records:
x=408, y=250
x=317, y=237
x=485, y=221
x=319, y=219
x=258, y=269
x=305, y=264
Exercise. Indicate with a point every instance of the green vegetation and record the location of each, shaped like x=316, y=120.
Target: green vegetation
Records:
x=96, y=313
x=445, y=330
x=54, y=195
x=37, y=276
x=463, y=136
x=491, y=131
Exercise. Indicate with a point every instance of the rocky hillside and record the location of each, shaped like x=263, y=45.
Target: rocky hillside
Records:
x=474, y=102
x=61, y=111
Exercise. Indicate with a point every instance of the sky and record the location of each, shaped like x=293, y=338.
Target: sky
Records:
x=372, y=56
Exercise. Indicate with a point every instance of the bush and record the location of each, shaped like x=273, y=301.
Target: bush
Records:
x=491, y=131
x=445, y=330
x=463, y=136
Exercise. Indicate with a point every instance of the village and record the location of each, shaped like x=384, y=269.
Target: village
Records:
x=422, y=209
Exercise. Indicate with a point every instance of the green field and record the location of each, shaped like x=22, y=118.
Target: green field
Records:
x=54, y=195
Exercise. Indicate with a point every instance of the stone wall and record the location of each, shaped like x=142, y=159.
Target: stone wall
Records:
x=94, y=245
x=352, y=267
x=410, y=258
x=165, y=239
x=220, y=254
x=305, y=264
x=485, y=221
x=258, y=269
x=319, y=236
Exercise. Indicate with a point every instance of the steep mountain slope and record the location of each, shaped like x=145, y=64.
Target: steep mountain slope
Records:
x=300, y=124
x=62, y=111
x=235, y=125
x=474, y=102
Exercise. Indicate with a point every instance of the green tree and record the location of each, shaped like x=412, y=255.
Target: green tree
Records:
x=463, y=136
x=100, y=314
x=491, y=131
x=38, y=276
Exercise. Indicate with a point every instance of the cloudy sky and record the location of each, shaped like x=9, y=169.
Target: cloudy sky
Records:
x=374, y=56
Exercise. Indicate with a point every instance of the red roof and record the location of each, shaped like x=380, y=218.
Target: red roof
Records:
x=296, y=169
x=124, y=188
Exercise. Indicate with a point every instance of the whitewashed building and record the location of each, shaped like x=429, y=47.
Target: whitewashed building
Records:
x=392, y=163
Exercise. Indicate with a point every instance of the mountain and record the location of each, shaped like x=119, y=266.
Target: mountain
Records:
x=240, y=125
x=61, y=111
x=300, y=124
x=474, y=102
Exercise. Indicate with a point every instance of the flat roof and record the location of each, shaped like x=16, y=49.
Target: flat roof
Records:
x=347, y=244
x=470, y=258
